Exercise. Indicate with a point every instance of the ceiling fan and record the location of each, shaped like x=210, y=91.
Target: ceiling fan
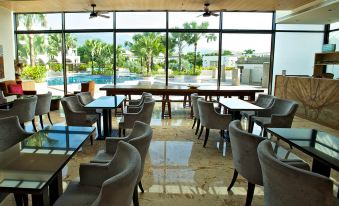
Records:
x=95, y=13
x=207, y=12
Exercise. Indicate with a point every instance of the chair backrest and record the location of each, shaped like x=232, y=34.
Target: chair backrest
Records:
x=140, y=138
x=24, y=108
x=283, y=112
x=11, y=132
x=71, y=105
x=244, y=152
x=88, y=87
x=125, y=166
x=206, y=113
x=147, y=110
x=43, y=105
x=85, y=97
x=288, y=185
x=194, y=100
x=265, y=100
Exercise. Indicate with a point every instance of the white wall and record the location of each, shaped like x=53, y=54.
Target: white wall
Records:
x=6, y=40
x=294, y=52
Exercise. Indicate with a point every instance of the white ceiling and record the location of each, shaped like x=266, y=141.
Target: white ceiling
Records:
x=79, y=5
x=323, y=12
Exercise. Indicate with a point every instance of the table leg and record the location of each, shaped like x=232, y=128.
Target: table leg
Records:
x=110, y=121
x=105, y=116
x=41, y=199
x=55, y=188
x=320, y=168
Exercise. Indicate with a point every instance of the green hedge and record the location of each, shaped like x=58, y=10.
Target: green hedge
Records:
x=36, y=73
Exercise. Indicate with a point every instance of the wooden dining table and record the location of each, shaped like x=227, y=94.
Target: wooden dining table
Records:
x=242, y=92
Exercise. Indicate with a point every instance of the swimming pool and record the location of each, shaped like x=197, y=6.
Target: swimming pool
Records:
x=98, y=79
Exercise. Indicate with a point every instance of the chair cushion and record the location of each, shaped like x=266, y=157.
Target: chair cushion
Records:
x=102, y=157
x=15, y=89
x=77, y=194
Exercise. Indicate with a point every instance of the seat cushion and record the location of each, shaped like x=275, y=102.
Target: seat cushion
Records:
x=15, y=89
x=102, y=157
x=77, y=194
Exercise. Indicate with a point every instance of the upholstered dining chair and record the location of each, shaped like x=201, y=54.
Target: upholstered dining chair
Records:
x=210, y=119
x=280, y=115
x=140, y=138
x=138, y=102
x=24, y=108
x=245, y=159
x=112, y=183
x=136, y=108
x=144, y=114
x=11, y=133
x=288, y=185
x=43, y=106
x=86, y=98
x=196, y=118
x=264, y=101
x=77, y=115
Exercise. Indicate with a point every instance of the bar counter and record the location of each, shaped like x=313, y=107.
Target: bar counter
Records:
x=318, y=98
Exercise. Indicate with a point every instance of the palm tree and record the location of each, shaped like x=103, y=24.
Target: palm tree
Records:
x=178, y=39
x=146, y=46
x=193, y=38
x=248, y=52
x=28, y=20
x=55, y=43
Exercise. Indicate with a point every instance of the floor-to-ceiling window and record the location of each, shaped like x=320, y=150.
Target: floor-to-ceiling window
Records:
x=125, y=47
x=334, y=39
x=39, y=49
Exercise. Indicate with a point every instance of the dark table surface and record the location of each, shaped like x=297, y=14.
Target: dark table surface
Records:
x=106, y=102
x=30, y=165
x=318, y=144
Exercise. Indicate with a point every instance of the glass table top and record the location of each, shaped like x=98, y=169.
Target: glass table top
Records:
x=32, y=163
x=315, y=143
x=106, y=102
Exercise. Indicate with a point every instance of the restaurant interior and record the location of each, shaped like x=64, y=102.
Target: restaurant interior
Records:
x=169, y=102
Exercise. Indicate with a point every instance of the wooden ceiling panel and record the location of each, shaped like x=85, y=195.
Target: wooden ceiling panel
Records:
x=177, y=5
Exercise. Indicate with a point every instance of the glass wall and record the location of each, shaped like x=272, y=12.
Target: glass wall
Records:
x=142, y=42
x=40, y=53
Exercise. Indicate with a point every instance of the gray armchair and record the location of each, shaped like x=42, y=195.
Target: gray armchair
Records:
x=196, y=118
x=77, y=115
x=211, y=119
x=288, y=185
x=137, y=108
x=140, y=138
x=12, y=133
x=143, y=115
x=245, y=159
x=264, y=101
x=280, y=115
x=138, y=102
x=86, y=98
x=105, y=184
x=24, y=108
x=43, y=106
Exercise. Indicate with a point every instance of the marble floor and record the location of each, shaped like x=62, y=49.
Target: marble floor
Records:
x=178, y=170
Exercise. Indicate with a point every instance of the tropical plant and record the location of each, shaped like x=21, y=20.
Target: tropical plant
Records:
x=55, y=44
x=146, y=46
x=178, y=40
x=36, y=73
x=193, y=38
x=227, y=53
x=248, y=52
x=28, y=20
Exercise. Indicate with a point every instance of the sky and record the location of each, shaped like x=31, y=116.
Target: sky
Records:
x=151, y=20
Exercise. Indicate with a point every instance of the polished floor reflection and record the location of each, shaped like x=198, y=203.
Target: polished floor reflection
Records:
x=178, y=170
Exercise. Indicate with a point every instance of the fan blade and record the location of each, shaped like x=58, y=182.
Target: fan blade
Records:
x=103, y=16
x=214, y=14
x=91, y=17
x=200, y=15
